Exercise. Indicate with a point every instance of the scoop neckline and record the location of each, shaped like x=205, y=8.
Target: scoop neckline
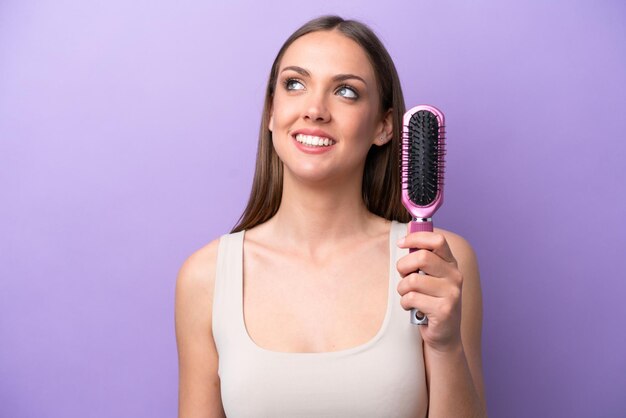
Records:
x=381, y=331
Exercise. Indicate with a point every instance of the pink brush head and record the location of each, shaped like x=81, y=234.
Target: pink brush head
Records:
x=422, y=160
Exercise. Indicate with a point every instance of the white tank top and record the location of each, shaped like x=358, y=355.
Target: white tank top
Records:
x=383, y=377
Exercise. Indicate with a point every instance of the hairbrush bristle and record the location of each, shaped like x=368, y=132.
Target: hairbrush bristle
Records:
x=423, y=158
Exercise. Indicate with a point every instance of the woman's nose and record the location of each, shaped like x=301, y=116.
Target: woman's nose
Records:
x=316, y=109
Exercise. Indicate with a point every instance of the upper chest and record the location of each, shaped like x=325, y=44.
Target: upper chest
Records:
x=293, y=303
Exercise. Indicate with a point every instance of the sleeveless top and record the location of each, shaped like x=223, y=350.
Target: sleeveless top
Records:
x=383, y=377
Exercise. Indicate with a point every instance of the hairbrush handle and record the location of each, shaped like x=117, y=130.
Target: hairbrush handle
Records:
x=418, y=225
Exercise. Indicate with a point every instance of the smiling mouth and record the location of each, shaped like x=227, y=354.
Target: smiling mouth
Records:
x=314, y=141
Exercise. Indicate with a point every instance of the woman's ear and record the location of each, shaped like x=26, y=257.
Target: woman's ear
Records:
x=385, y=131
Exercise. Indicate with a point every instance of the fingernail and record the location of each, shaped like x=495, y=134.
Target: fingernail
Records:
x=401, y=241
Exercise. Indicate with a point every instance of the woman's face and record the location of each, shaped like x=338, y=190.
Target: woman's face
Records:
x=325, y=112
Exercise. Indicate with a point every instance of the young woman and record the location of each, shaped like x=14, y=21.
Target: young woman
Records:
x=302, y=309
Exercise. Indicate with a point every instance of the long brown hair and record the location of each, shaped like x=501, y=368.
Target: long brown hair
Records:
x=381, y=176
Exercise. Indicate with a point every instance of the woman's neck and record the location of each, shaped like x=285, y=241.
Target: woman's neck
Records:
x=318, y=217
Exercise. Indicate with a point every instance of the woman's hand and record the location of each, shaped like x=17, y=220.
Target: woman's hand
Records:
x=452, y=349
x=437, y=293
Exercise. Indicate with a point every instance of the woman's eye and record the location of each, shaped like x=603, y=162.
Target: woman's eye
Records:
x=347, y=92
x=293, y=84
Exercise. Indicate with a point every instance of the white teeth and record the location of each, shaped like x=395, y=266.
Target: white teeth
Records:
x=315, y=141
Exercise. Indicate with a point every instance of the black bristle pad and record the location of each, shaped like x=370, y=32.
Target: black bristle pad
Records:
x=424, y=158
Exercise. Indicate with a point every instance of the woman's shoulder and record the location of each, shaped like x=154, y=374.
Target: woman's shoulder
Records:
x=197, y=354
x=197, y=273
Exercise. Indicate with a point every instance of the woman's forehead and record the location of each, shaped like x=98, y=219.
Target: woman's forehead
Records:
x=328, y=52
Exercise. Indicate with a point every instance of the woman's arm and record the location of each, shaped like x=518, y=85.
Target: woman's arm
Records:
x=449, y=294
x=199, y=384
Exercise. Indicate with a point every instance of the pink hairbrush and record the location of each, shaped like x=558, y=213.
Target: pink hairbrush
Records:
x=422, y=165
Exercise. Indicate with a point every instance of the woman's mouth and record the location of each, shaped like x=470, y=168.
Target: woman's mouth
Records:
x=314, y=141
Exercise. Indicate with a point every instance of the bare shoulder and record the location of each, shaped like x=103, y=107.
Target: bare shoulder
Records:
x=198, y=270
x=199, y=384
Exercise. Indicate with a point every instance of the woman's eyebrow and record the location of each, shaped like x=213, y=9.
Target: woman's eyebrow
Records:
x=338, y=77
x=343, y=77
x=297, y=69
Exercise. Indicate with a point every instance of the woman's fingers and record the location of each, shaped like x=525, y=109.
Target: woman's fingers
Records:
x=437, y=293
x=428, y=285
x=432, y=241
x=433, y=307
x=437, y=307
x=426, y=304
x=428, y=262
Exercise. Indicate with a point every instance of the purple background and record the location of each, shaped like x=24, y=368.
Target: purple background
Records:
x=127, y=140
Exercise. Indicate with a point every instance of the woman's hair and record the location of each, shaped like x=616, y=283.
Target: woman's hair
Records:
x=381, y=187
